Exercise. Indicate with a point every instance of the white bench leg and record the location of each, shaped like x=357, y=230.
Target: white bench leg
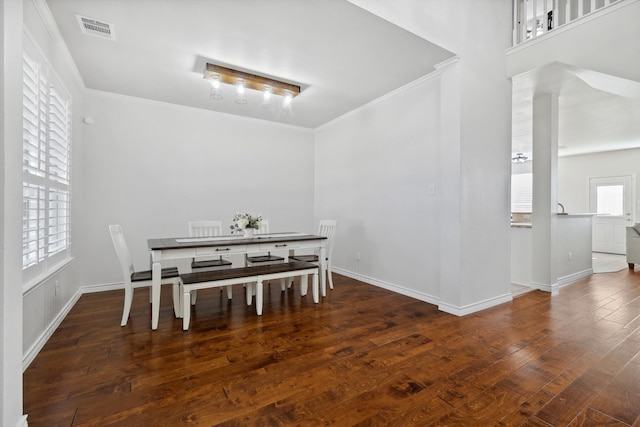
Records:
x=229, y=293
x=186, y=310
x=248, y=291
x=259, y=297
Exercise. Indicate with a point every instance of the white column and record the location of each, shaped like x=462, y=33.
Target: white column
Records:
x=450, y=161
x=545, y=189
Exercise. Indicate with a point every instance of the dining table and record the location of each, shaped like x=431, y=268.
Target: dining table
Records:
x=174, y=248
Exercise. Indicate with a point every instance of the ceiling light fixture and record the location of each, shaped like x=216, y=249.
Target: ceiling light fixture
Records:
x=218, y=74
x=286, y=103
x=241, y=97
x=266, y=97
x=519, y=158
x=215, y=88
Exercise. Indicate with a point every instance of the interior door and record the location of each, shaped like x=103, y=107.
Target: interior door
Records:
x=611, y=199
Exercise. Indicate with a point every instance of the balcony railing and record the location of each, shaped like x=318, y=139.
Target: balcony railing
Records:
x=534, y=18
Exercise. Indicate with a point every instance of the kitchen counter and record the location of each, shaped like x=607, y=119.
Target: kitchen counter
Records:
x=572, y=251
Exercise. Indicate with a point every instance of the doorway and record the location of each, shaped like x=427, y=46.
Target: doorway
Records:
x=611, y=198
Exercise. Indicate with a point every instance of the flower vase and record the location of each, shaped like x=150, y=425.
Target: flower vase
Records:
x=248, y=232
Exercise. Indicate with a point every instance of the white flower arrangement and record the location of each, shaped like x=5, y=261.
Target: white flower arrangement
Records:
x=240, y=221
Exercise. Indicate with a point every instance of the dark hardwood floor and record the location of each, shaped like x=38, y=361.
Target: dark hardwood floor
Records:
x=364, y=356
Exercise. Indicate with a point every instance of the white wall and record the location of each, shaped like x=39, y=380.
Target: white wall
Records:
x=474, y=146
x=587, y=43
x=43, y=306
x=152, y=167
x=373, y=168
x=574, y=173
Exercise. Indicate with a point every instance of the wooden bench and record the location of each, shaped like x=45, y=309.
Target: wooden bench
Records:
x=248, y=275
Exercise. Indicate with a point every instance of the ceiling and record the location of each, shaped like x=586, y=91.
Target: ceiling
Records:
x=596, y=112
x=341, y=55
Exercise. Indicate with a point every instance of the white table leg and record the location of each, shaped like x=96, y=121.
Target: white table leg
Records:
x=156, y=277
x=322, y=261
x=186, y=310
x=259, y=296
x=314, y=287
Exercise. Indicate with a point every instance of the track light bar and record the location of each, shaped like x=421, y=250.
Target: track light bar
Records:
x=251, y=81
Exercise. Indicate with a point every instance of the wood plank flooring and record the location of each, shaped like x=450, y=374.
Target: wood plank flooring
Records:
x=364, y=356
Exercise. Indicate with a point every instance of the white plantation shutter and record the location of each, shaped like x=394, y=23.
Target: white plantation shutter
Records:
x=46, y=167
x=34, y=131
x=33, y=213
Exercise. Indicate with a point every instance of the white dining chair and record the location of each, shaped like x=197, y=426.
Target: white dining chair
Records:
x=267, y=258
x=326, y=228
x=263, y=259
x=140, y=278
x=207, y=228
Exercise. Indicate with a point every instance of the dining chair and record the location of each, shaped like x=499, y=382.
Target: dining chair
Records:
x=207, y=228
x=326, y=228
x=267, y=258
x=140, y=278
x=263, y=259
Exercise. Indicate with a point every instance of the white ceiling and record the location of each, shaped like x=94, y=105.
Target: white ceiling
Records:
x=342, y=55
x=597, y=112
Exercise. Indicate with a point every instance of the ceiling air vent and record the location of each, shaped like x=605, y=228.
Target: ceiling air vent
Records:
x=93, y=27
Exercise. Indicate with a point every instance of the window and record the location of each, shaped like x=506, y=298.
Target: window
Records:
x=610, y=200
x=522, y=192
x=46, y=201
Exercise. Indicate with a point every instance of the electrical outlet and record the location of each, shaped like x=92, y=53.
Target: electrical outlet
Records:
x=357, y=256
x=570, y=256
x=57, y=288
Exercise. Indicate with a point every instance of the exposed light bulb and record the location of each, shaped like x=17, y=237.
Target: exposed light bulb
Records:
x=266, y=97
x=241, y=98
x=286, y=102
x=215, y=88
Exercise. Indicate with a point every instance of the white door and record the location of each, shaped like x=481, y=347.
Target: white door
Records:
x=611, y=198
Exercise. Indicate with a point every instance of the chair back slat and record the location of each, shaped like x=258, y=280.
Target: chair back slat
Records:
x=205, y=228
x=327, y=228
x=122, y=250
x=263, y=228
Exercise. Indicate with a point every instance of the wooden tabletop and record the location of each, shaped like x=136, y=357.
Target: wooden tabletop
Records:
x=228, y=240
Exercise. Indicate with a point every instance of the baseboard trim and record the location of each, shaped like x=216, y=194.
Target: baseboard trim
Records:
x=457, y=311
x=22, y=422
x=475, y=307
x=565, y=280
x=104, y=287
x=44, y=337
x=31, y=354
x=389, y=286
x=562, y=281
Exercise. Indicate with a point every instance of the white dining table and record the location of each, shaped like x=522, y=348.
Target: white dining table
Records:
x=172, y=248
